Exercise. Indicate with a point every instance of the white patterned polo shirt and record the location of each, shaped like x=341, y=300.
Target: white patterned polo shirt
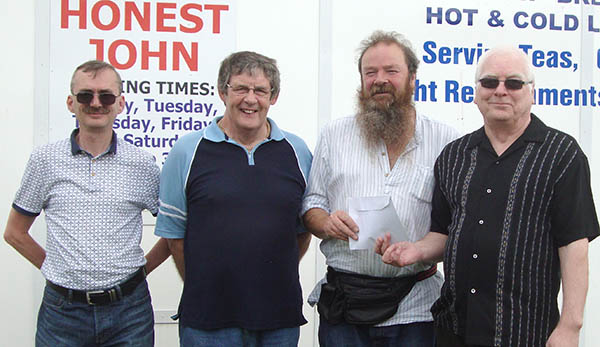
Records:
x=93, y=209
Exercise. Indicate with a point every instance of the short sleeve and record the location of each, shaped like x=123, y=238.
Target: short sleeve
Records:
x=440, y=209
x=316, y=194
x=573, y=213
x=172, y=214
x=30, y=198
x=153, y=179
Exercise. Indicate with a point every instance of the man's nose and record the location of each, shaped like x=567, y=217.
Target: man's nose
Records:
x=381, y=79
x=501, y=89
x=251, y=97
x=96, y=101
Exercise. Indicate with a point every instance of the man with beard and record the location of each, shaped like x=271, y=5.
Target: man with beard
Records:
x=388, y=150
x=92, y=187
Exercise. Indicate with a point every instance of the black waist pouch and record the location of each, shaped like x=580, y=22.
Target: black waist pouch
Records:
x=361, y=299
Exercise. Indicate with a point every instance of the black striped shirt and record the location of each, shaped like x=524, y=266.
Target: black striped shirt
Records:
x=505, y=217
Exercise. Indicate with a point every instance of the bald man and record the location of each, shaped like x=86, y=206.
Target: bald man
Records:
x=512, y=215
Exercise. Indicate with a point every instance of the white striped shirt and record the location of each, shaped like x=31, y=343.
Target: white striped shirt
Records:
x=344, y=167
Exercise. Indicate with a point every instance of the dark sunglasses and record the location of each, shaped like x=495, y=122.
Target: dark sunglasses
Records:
x=510, y=83
x=86, y=98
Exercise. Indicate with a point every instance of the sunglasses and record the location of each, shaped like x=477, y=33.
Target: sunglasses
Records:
x=86, y=98
x=510, y=83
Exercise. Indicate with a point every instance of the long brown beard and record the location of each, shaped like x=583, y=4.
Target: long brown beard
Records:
x=387, y=119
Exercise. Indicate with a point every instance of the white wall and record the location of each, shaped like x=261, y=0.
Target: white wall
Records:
x=299, y=35
x=21, y=283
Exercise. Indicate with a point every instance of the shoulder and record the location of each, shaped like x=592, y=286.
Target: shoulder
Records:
x=52, y=151
x=190, y=139
x=182, y=154
x=556, y=141
x=296, y=141
x=344, y=123
x=561, y=146
x=187, y=144
x=435, y=134
x=460, y=143
x=566, y=140
x=340, y=129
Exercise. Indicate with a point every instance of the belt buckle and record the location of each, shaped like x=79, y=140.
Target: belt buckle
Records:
x=89, y=296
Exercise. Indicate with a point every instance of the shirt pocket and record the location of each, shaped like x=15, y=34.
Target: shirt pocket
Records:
x=423, y=181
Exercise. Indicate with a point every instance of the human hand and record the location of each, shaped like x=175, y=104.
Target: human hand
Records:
x=341, y=226
x=563, y=336
x=398, y=254
x=383, y=243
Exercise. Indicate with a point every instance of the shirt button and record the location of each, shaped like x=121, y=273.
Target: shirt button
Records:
x=387, y=174
x=488, y=190
x=498, y=162
x=473, y=290
x=475, y=256
x=93, y=174
x=383, y=153
x=481, y=221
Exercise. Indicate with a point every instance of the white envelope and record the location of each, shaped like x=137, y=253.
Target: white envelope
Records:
x=375, y=216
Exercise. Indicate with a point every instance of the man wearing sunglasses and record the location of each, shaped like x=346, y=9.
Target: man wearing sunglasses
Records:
x=230, y=208
x=512, y=217
x=92, y=188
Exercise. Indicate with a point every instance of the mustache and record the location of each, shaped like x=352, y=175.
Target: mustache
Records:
x=382, y=88
x=101, y=110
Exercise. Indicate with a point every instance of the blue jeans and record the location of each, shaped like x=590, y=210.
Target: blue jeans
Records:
x=127, y=322
x=411, y=335
x=227, y=337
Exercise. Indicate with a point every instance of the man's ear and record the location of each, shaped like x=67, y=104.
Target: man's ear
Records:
x=70, y=102
x=274, y=99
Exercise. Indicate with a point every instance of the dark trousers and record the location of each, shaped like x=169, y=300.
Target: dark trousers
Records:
x=447, y=338
x=410, y=335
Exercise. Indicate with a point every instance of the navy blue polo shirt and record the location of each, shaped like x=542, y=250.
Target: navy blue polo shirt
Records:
x=238, y=212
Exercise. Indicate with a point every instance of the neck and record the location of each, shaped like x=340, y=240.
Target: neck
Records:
x=504, y=134
x=92, y=142
x=248, y=138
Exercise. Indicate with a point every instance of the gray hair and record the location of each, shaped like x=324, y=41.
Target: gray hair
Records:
x=95, y=66
x=240, y=62
x=390, y=37
x=516, y=52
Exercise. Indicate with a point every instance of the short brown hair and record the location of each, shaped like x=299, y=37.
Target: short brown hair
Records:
x=94, y=66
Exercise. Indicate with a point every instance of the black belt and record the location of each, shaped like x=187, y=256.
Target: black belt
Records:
x=105, y=296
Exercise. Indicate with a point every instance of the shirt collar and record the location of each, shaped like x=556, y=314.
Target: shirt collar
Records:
x=75, y=149
x=215, y=134
x=533, y=133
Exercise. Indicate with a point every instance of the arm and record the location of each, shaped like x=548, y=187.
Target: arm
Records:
x=176, y=247
x=17, y=235
x=574, y=272
x=159, y=253
x=336, y=225
x=303, y=243
x=429, y=249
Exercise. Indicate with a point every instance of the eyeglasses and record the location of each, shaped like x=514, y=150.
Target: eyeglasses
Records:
x=242, y=90
x=106, y=99
x=509, y=83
